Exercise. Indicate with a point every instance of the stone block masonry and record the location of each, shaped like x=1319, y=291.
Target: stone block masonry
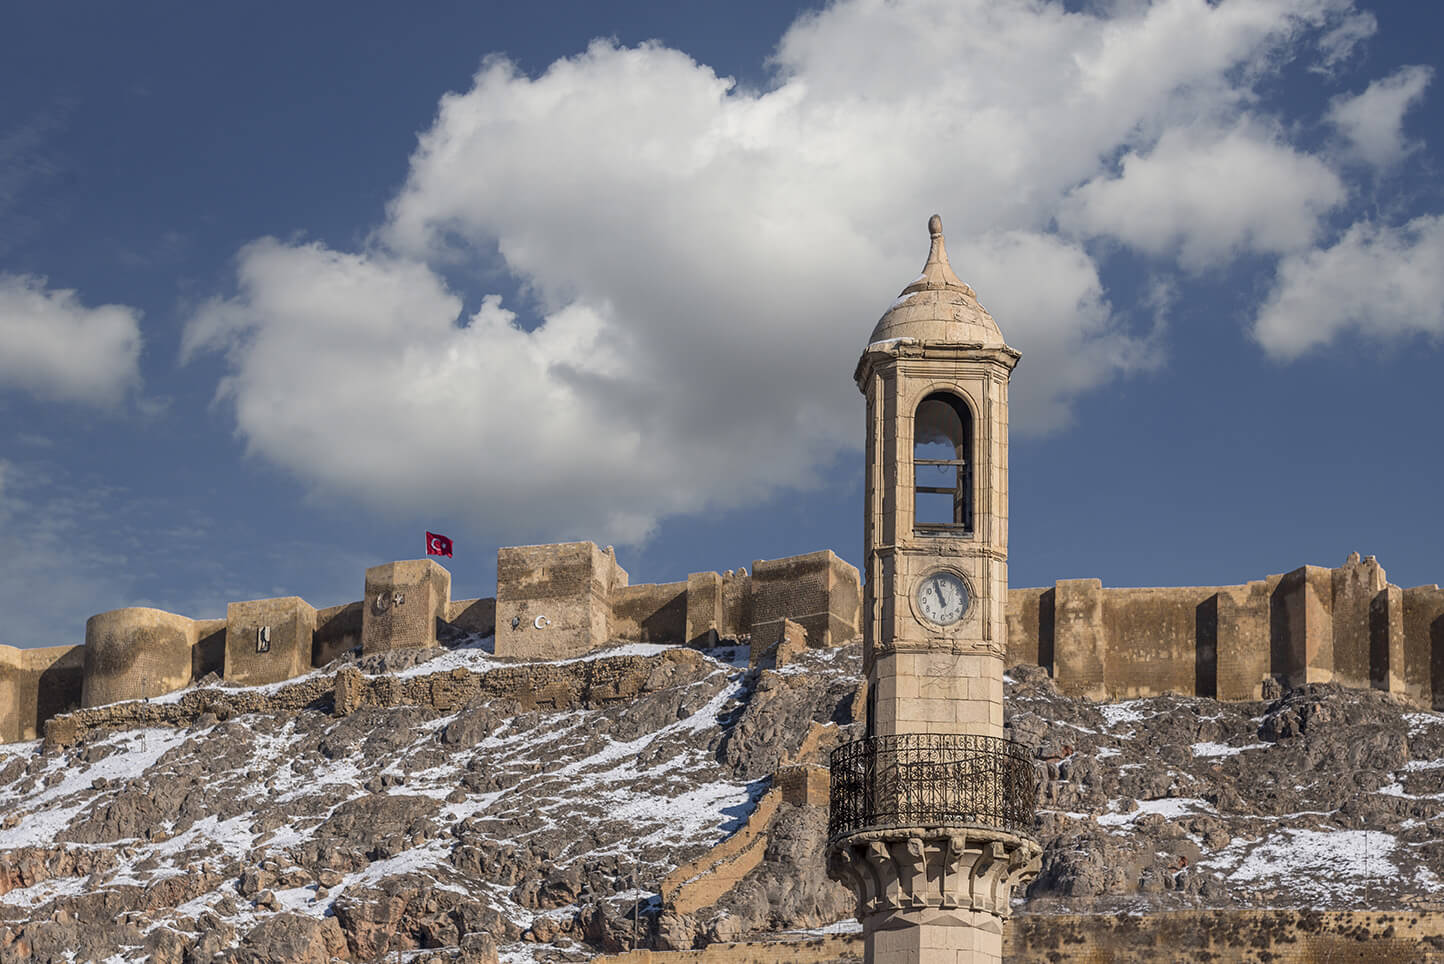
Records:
x=1312, y=625
x=36, y=684
x=403, y=605
x=269, y=640
x=554, y=601
x=136, y=653
x=818, y=590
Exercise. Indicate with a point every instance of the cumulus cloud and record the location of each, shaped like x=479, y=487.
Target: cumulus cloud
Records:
x=1207, y=195
x=57, y=348
x=1373, y=121
x=703, y=262
x=1380, y=281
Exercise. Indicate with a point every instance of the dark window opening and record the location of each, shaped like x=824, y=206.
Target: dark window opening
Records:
x=942, y=465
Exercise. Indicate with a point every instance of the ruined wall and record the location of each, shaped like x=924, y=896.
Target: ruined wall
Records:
x=36, y=684
x=136, y=653
x=818, y=590
x=338, y=630
x=269, y=640
x=553, y=601
x=649, y=613
x=1311, y=625
x=1423, y=617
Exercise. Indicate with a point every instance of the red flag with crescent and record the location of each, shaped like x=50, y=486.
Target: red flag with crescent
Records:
x=437, y=545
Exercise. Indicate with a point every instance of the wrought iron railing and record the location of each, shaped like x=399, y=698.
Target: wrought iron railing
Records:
x=929, y=780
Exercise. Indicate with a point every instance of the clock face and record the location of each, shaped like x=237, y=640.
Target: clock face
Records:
x=942, y=598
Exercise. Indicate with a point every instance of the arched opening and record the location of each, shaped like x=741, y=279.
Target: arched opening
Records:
x=943, y=465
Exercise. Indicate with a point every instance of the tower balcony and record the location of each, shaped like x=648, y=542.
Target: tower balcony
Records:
x=935, y=781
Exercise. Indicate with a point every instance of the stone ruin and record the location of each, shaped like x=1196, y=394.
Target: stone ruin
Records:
x=1347, y=625
x=552, y=602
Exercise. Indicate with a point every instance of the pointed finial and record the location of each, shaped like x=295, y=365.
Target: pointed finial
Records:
x=937, y=273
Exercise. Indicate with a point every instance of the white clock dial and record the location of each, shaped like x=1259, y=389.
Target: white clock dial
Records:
x=942, y=598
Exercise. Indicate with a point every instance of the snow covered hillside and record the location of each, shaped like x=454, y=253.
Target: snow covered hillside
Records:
x=540, y=815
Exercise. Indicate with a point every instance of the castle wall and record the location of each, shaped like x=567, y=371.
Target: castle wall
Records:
x=1080, y=644
x=338, y=630
x=818, y=590
x=1241, y=640
x=1311, y=625
x=208, y=655
x=1153, y=640
x=736, y=620
x=705, y=609
x=1301, y=627
x=402, y=605
x=1354, y=586
x=476, y=616
x=136, y=653
x=1424, y=645
x=13, y=694
x=269, y=640
x=1029, y=639
x=650, y=613
x=1386, y=640
x=554, y=601
x=35, y=684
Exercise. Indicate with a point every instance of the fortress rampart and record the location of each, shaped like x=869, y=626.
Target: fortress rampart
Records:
x=1312, y=625
x=1346, y=625
x=552, y=602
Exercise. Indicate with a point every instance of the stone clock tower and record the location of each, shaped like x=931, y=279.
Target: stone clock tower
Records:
x=935, y=373
x=931, y=809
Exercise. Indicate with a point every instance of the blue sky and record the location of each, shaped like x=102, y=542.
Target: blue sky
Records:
x=282, y=286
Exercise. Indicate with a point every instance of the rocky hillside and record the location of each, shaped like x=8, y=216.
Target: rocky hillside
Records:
x=446, y=806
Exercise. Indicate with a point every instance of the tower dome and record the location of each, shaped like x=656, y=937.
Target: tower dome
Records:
x=938, y=306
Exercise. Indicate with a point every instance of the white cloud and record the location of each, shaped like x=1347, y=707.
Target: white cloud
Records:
x=1208, y=195
x=51, y=571
x=57, y=348
x=1373, y=122
x=708, y=260
x=1382, y=282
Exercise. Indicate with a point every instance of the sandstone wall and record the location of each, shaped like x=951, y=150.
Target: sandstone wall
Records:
x=35, y=684
x=403, y=605
x=649, y=613
x=1423, y=617
x=818, y=590
x=553, y=601
x=1311, y=625
x=269, y=640
x=338, y=630
x=477, y=616
x=136, y=653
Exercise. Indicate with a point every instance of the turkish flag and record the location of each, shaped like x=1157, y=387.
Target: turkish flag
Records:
x=437, y=545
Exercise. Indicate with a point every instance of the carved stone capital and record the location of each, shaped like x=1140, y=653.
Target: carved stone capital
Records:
x=900, y=872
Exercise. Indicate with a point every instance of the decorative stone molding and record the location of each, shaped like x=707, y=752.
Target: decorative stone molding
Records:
x=899, y=873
